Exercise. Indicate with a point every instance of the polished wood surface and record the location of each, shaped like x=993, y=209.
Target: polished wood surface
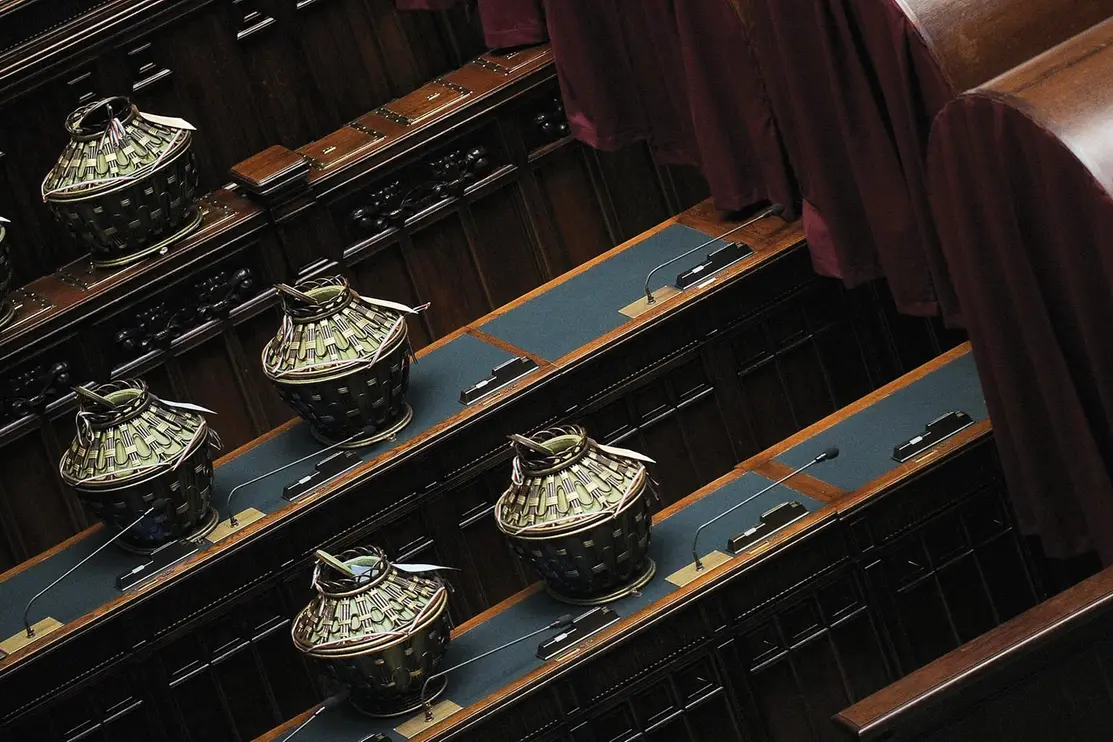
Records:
x=1056, y=91
x=698, y=384
x=788, y=239
x=973, y=41
x=972, y=692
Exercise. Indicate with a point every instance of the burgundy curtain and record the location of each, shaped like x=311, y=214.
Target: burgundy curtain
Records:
x=826, y=99
x=679, y=75
x=1020, y=175
x=855, y=85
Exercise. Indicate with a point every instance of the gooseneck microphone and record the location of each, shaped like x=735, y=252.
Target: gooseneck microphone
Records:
x=563, y=622
x=330, y=702
x=827, y=455
x=228, y=503
x=74, y=568
x=774, y=210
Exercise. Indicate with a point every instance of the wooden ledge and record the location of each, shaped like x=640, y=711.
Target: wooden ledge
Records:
x=940, y=682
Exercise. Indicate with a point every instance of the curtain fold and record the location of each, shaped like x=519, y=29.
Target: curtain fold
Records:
x=1026, y=231
x=678, y=74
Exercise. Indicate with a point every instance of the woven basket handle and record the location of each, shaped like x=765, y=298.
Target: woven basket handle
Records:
x=530, y=443
x=300, y=295
x=93, y=396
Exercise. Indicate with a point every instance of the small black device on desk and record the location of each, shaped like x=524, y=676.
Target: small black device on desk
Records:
x=162, y=559
x=935, y=432
x=501, y=375
x=588, y=624
x=713, y=263
x=772, y=521
x=327, y=468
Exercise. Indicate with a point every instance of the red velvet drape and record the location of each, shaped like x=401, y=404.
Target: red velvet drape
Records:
x=679, y=75
x=855, y=85
x=1020, y=176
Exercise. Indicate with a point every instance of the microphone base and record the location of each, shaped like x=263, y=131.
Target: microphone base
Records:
x=19, y=640
x=641, y=305
x=400, y=706
x=639, y=580
x=417, y=724
x=244, y=518
x=684, y=575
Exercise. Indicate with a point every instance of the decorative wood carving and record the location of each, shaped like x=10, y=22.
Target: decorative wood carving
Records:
x=550, y=121
x=438, y=179
x=157, y=325
x=30, y=391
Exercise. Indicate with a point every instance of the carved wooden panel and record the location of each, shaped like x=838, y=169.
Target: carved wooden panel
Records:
x=186, y=340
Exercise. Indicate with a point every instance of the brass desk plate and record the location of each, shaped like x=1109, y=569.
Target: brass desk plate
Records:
x=18, y=641
x=417, y=724
x=683, y=576
x=27, y=306
x=224, y=529
x=642, y=305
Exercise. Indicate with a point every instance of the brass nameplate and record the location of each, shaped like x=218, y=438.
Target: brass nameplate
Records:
x=224, y=529
x=424, y=102
x=417, y=724
x=511, y=61
x=27, y=305
x=682, y=577
x=18, y=641
x=642, y=305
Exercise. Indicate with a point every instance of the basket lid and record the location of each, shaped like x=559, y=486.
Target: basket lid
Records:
x=364, y=604
x=563, y=480
x=111, y=142
x=124, y=433
x=328, y=329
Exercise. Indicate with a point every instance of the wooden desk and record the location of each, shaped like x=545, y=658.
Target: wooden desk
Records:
x=700, y=382
x=771, y=643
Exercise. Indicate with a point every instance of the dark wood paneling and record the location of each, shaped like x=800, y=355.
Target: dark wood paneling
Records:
x=566, y=184
x=663, y=390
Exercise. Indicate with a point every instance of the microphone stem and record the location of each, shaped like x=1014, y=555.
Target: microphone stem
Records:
x=728, y=511
x=425, y=685
x=228, y=503
x=68, y=572
x=650, y=299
